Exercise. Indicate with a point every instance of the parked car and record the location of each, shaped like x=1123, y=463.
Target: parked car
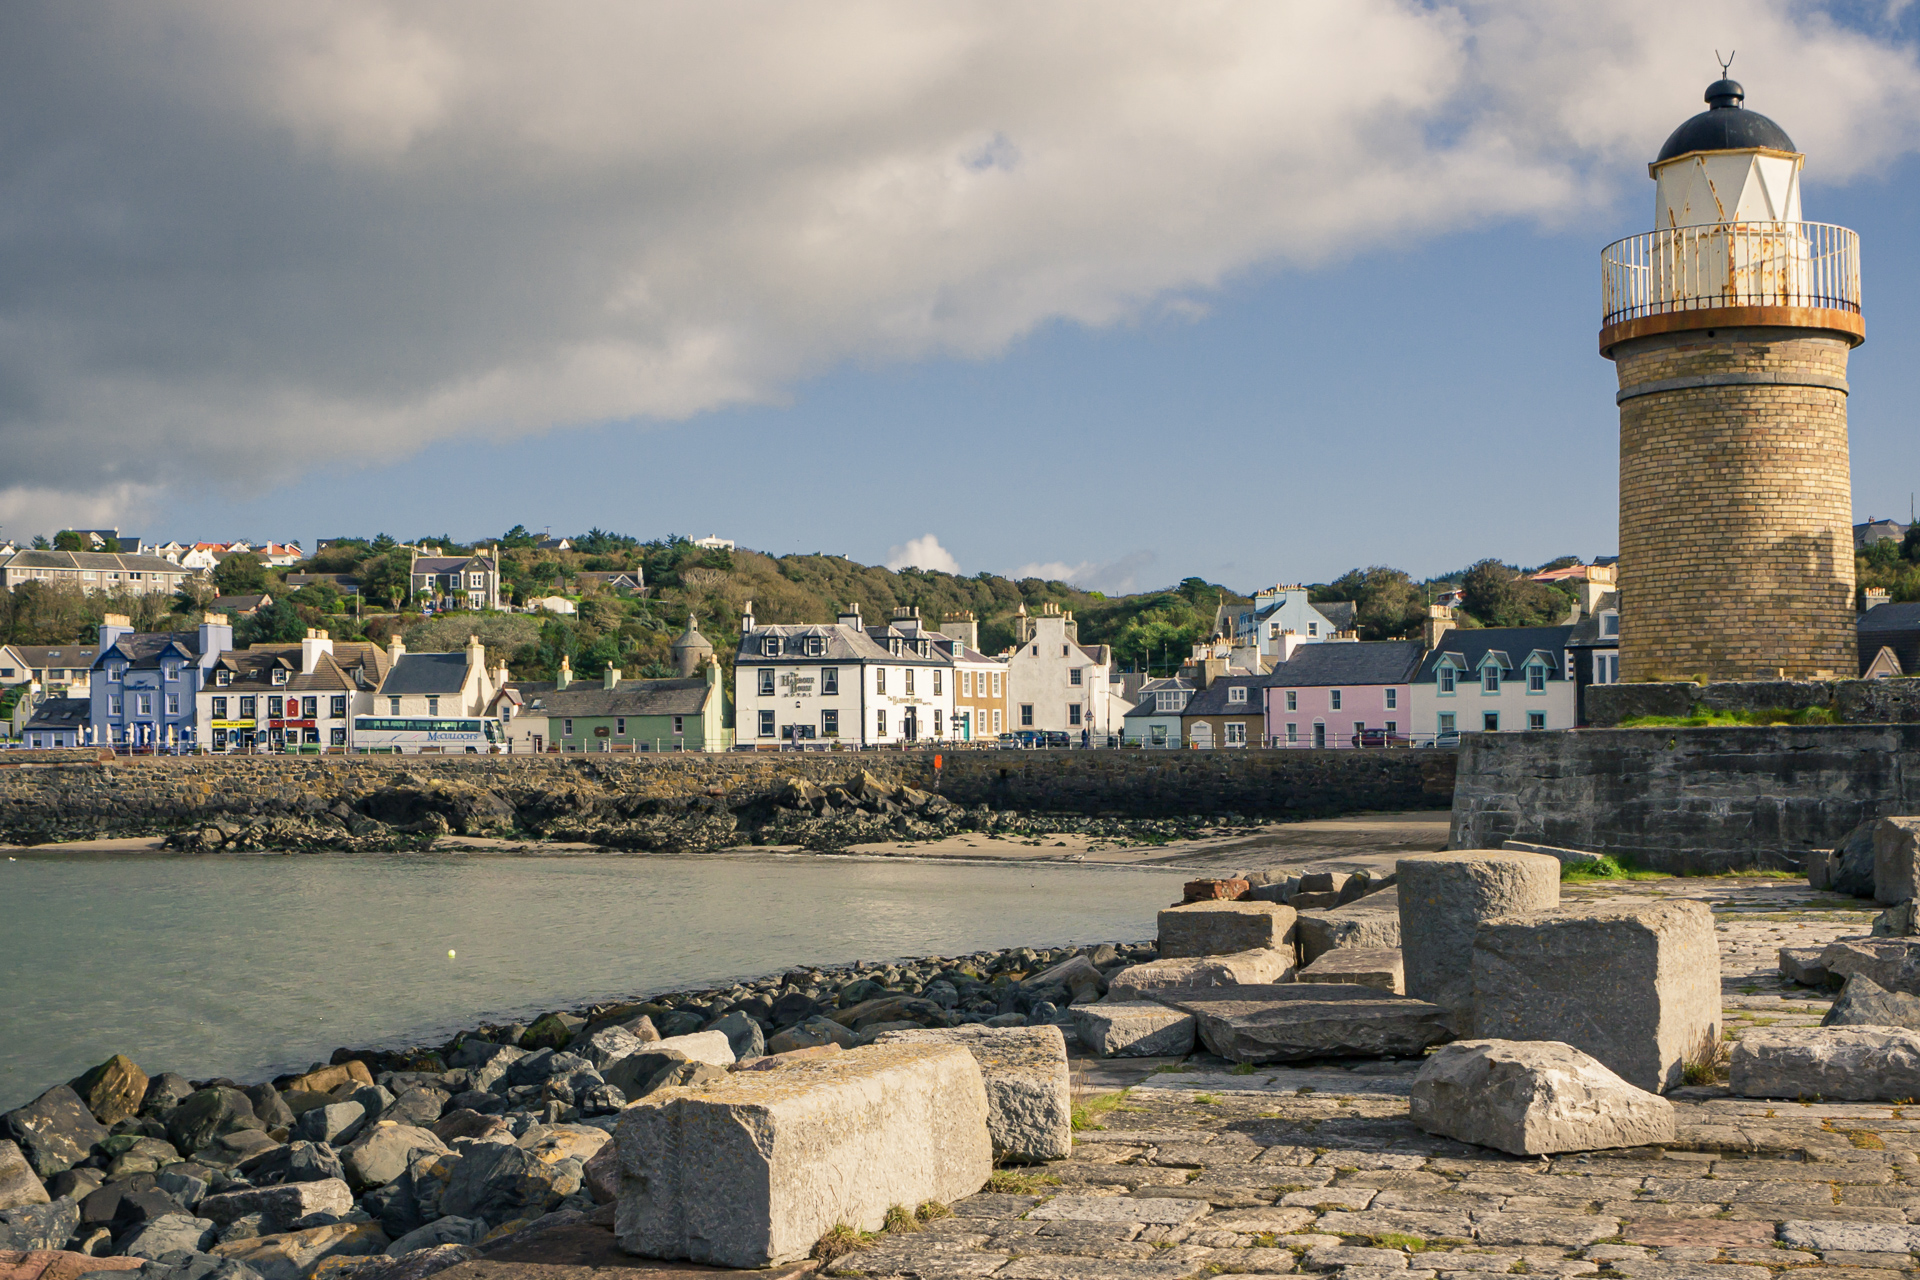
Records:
x=1381, y=738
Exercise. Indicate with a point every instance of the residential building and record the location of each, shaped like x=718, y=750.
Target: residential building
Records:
x=1343, y=695
x=457, y=582
x=94, y=571
x=1228, y=713
x=145, y=686
x=280, y=554
x=421, y=685
x=1154, y=720
x=979, y=682
x=285, y=696
x=1496, y=680
x=104, y=540
x=553, y=544
x=1055, y=683
x=1574, y=575
x=841, y=681
x=1870, y=531
x=552, y=604
x=344, y=583
x=1593, y=648
x=712, y=543
x=621, y=581
x=241, y=606
x=612, y=714
x=61, y=670
x=1280, y=611
x=59, y=722
x=1890, y=640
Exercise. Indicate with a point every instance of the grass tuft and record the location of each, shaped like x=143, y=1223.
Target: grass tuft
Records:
x=1206, y=1099
x=1012, y=1182
x=1242, y=1069
x=1707, y=1064
x=1398, y=1240
x=900, y=1218
x=929, y=1210
x=1606, y=867
x=1086, y=1114
x=840, y=1241
x=1712, y=719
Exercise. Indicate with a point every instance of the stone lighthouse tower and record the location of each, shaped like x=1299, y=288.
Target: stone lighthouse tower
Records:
x=1730, y=324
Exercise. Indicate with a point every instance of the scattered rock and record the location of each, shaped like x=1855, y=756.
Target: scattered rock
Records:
x=1213, y=890
x=1133, y=1029
x=281, y=1205
x=700, y=1046
x=327, y=1079
x=300, y=1161
x=336, y=1123
x=48, y=1225
x=1840, y=1064
x=291, y=1255
x=1863, y=1002
x=810, y=1034
x=55, y=1131
x=173, y=1233
x=745, y=1040
x=1029, y=1090
x=208, y=1114
x=1381, y=967
x=1896, y=842
x=1247, y=968
x=113, y=1090
x=1893, y=963
x=448, y=1230
x=1532, y=1098
x=501, y=1184
x=1224, y=928
x=1309, y=1020
x=1851, y=867
x=1084, y=983
x=19, y=1186
x=1803, y=965
x=1444, y=898
x=1372, y=922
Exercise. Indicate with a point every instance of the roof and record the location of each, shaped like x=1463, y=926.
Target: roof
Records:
x=62, y=713
x=449, y=564
x=588, y=698
x=1147, y=704
x=1212, y=700
x=143, y=650
x=426, y=673
x=91, y=560
x=354, y=666
x=1725, y=126
x=1341, y=663
x=56, y=655
x=838, y=643
x=1337, y=612
x=1891, y=626
x=1469, y=648
x=240, y=604
x=338, y=581
x=1586, y=632
x=1904, y=616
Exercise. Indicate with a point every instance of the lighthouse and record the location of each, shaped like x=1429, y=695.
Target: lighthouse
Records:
x=1729, y=325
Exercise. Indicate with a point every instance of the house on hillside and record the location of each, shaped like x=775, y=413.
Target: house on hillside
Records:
x=620, y=581
x=93, y=571
x=61, y=670
x=1870, y=531
x=437, y=685
x=144, y=685
x=1154, y=719
x=1343, y=695
x=1496, y=680
x=241, y=606
x=456, y=582
x=1280, y=612
x=1226, y=714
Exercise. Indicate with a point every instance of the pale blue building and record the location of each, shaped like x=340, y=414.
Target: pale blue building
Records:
x=145, y=685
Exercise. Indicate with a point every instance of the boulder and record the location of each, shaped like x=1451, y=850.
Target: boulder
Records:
x=269, y=1107
x=1142, y=981
x=1224, y=928
x=1636, y=986
x=39, y=1226
x=381, y=1153
x=495, y=1061
x=131, y=1155
x=1029, y=1090
x=866, y=1013
x=543, y=1065
x=54, y=1132
x=120, y=1204
x=281, y=1205
x=336, y=1123
x=417, y=1106
x=19, y=1186
x=1803, y=965
x=438, y=1232
x=608, y=1045
x=754, y=1172
x=1863, y=1002
x=1839, y=1064
x=1309, y=1020
x=469, y=1124
x=810, y=1034
x=187, y=1188
x=1380, y=967
x=206, y=1115
x=1896, y=843
x=745, y=1040
x=1133, y=1029
x=58, y=1264
x=193, y=1266
x=700, y=1046
x=639, y=1074
x=1084, y=983
x=1443, y=899
x=1851, y=866
x=292, y=1255
x=113, y=1090
x=327, y=1079
x=500, y=1183
x=781, y=1061
x=552, y=1143
x=1213, y=890
x=1892, y=963
x=165, y=1092
x=173, y=1233
x=551, y=1031
x=295, y=1162
x=232, y=1148
x=1532, y=1098
x=1371, y=923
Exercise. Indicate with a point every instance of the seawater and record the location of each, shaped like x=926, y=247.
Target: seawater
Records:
x=249, y=965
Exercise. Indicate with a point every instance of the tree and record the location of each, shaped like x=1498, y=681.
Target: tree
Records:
x=68, y=540
x=195, y=594
x=386, y=579
x=278, y=623
x=320, y=595
x=1387, y=603
x=40, y=542
x=517, y=539
x=1499, y=597
x=241, y=574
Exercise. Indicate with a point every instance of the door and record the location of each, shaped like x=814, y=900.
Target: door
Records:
x=1319, y=734
x=1203, y=735
x=910, y=724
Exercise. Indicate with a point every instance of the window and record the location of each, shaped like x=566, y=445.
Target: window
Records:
x=1237, y=695
x=143, y=704
x=815, y=646
x=1073, y=713
x=1490, y=721
x=1293, y=700
x=766, y=724
x=248, y=703
x=1293, y=734
x=1536, y=678
x=679, y=726
x=1490, y=679
x=223, y=677
x=219, y=708
x=770, y=646
x=1065, y=650
x=274, y=711
x=170, y=670
x=1606, y=668
x=1536, y=719
x=1158, y=734
x=1026, y=715
x=829, y=724
x=313, y=737
x=1393, y=726
x=433, y=706
x=219, y=739
x=393, y=708
x=966, y=683
x=909, y=675
x=279, y=675
x=309, y=708
x=1237, y=733
x=1609, y=624
x=879, y=679
x=173, y=704
x=880, y=722
x=1313, y=628
x=1446, y=722
x=338, y=707
x=766, y=719
x=1445, y=675
x=476, y=580
x=337, y=737
x=766, y=682
x=996, y=684
x=1393, y=699
x=113, y=704
x=996, y=711
x=116, y=672
x=1333, y=699
x=829, y=680
x=936, y=722
x=620, y=726
x=1073, y=676
x=936, y=682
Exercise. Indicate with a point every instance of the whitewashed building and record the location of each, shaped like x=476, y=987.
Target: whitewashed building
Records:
x=1495, y=680
x=1056, y=684
x=812, y=683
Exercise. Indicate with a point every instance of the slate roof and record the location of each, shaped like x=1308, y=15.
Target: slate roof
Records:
x=1514, y=642
x=1362, y=662
x=1338, y=612
x=418, y=673
x=840, y=644
x=1891, y=626
x=351, y=667
x=345, y=583
x=143, y=650
x=1146, y=706
x=1212, y=700
x=62, y=713
x=450, y=564
x=239, y=604
x=91, y=560
x=586, y=699
x=41, y=656
x=1586, y=632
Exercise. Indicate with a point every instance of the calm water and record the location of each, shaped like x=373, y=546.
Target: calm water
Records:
x=248, y=966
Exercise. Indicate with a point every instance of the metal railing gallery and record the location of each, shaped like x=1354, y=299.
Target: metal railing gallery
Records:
x=1730, y=264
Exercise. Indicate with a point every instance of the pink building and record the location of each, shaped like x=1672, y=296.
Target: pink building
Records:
x=1343, y=695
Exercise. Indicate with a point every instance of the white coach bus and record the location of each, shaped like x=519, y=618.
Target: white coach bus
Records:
x=407, y=735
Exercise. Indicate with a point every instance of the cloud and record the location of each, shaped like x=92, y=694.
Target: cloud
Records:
x=245, y=243
x=923, y=553
x=1114, y=577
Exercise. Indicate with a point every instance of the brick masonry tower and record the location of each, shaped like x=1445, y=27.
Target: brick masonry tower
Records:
x=1730, y=325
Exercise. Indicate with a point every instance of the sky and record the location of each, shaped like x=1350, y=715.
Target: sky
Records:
x=1108, y=291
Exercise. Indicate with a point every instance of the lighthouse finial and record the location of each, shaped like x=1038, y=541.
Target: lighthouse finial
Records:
x=1726, y=63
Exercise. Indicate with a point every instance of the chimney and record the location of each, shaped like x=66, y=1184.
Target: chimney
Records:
x=112, y=627
x=1439, y=622
x=396, y=648
x=962, y=627
x=610, y=678
x=316, y=643
x=746, y=619
x=1873, y=598
x=216, y=637
x=850, y=616
x=564, y=676
x=500, y=675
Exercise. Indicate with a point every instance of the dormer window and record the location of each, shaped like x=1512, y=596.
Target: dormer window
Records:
x=1445, y=674
x=770, y=647
x=1237, y=696
x=1536, y=678
x=815, y=646
x=279, y=675
x=223, y=677
x=171, y=670
x=1490, y=678
x=1610, y=625
x=114, y=671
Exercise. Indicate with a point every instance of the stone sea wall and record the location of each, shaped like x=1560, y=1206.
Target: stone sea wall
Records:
x=1692, y=800
x=1847, y=701
x=690, y=801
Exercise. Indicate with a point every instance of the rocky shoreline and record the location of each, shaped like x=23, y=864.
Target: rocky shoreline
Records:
x=413, y=1157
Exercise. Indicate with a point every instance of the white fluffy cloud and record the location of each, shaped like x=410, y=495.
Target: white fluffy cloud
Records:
x=1115, y=577
x=923, y=553
x=243, y=242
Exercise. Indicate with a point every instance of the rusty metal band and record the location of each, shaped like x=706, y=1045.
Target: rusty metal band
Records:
x=1755, y=379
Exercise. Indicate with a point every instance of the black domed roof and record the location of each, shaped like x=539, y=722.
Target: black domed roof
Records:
x=1725, y=126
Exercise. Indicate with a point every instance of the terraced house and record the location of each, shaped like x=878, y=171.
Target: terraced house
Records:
x=687, y=713
x=812, y=683
x=301, y=696
x=146, y=685
x=1496, y=680
x=93, y=571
